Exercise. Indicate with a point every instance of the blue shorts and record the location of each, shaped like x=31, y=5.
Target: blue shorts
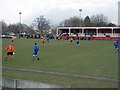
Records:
x=116, y=46
x=35, y=53
x=78, y=42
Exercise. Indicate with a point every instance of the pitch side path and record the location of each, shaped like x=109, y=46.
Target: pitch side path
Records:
x=62, y=74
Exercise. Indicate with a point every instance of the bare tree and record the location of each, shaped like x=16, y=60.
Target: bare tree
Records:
x=4, y=27
x=112, y=25
x=87, y=22
x=29, y=30
x=99, y=20
x=13, y=28
x=73, y=21
x=65, y=23
x=42, y=24
x=54, y=28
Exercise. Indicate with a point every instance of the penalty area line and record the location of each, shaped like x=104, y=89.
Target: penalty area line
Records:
x=62, y=74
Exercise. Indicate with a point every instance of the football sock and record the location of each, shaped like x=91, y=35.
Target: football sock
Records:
x=116, y=50
x=33, y=57
x=36, y=56
x=12, y=57
x=6, y=57
x=38, y=59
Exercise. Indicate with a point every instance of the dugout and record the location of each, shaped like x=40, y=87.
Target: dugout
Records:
x=96, y=32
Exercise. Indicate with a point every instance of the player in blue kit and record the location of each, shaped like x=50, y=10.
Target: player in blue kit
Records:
x=35, y=53
x=116, y=45
x=78, y=41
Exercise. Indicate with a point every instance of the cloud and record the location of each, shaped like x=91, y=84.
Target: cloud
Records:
x=55, y=10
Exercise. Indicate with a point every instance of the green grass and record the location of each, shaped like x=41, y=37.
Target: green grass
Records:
x=60, y=80
x=92, y=58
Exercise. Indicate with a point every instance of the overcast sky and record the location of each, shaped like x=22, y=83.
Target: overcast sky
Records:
x=56, y=10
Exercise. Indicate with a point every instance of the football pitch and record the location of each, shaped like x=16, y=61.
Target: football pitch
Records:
x=91, y=58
